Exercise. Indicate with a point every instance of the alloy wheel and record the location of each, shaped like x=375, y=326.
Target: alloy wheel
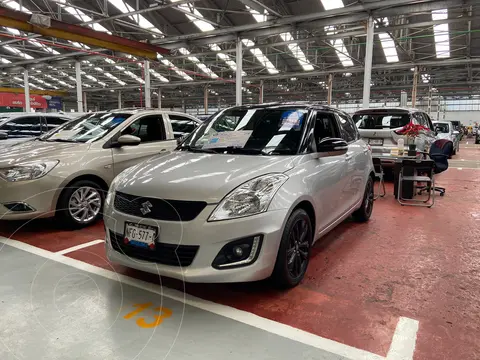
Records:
x=298, y=249
x=85, y=203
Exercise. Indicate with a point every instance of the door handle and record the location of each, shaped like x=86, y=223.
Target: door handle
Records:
x=163, y=150
x=365, y=151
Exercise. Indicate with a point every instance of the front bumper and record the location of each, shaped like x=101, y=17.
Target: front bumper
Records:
x=38, y=194
x=210, y=237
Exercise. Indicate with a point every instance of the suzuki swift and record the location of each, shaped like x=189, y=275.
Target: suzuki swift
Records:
x=244, y=197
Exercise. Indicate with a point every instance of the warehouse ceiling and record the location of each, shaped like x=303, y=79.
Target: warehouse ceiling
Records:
x=291, y=46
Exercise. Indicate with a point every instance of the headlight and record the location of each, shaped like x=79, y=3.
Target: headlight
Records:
x=253, y=197
x=27, y=171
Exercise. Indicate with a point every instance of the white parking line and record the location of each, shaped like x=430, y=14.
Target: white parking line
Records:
x=404, y=338
x=81, y=246
x=403, y=344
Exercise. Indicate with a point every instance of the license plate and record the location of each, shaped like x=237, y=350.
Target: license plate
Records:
x=139, y=235
x=375, y=141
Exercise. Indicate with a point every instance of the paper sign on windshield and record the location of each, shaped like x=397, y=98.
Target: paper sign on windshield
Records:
x=228, y=138
x=292, y=119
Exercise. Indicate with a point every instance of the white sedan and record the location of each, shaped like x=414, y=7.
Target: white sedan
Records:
x=244, y=197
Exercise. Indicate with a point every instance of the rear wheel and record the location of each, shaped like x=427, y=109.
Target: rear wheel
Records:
x=80, y=204
x=294, y=251
x=365, y=211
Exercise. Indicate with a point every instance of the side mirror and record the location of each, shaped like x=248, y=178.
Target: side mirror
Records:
x=3, y=135
x=128, y=140
x=331, y=147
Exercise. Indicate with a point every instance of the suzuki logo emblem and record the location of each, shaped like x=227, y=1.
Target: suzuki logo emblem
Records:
x=146, y=207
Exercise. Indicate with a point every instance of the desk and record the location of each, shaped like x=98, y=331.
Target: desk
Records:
x=408, y=188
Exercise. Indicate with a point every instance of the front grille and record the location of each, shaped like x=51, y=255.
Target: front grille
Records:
x=169, y=210
x=166, y=254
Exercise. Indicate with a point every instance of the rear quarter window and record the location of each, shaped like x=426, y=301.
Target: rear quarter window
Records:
x=381, y=121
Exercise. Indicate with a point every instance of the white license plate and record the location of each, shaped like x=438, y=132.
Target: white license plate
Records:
x=139, y=235
x=375, y=141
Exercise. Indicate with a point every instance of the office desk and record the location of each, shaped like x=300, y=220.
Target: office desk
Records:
x=408, y=188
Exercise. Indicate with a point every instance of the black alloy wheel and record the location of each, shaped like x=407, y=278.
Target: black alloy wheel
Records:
x=294, y=251
x=365, y=211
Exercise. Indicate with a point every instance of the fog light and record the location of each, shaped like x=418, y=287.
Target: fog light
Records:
x=18, y=207
x=237, y=250
x=238, y=253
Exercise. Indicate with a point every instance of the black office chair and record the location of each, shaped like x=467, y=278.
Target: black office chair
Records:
x=440, y=151
x=379, y=173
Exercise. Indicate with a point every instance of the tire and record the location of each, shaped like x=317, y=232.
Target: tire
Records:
x=296, y=240
x=69, y=216
x=365, y=211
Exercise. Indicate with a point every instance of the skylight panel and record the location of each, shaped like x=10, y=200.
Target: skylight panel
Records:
x=339, y=47
x=262, y=58
x=17, y=52
x=388, y=45
x=332, y=4
x=4, y=61
x=440, y=32
x=294, y=48
x=197, y=62
x=16, y=6
x=139, y=19
x=425, y=78
x=204, y=26
x=80, y=15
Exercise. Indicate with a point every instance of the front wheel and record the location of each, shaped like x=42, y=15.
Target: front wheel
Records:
x=294, y=251
x=365, y=211
x=80, y=204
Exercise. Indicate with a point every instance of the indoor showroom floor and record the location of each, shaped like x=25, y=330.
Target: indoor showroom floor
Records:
x=404, y=285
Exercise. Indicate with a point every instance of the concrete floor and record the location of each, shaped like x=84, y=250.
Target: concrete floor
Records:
x=363, y=284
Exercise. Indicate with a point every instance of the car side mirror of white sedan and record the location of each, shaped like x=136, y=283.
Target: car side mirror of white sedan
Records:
x=128, y=140
x=3, y=135
x=331, y=147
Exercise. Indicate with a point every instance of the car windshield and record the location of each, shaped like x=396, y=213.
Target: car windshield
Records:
x=87, y=128
x=381, y=121
x=442, y=128
x=266, y=131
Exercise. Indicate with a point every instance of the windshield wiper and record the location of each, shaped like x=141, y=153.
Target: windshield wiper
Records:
x=195, y=149
x=62, y=140
x=240, y=150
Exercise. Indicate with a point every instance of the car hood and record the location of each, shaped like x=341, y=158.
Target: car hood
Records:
x=198, y=176
x=35, y=150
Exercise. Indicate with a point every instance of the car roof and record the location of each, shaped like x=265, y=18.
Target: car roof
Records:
x=297, y=104
x=393, y=110
x=441, y=122
x=133, y=111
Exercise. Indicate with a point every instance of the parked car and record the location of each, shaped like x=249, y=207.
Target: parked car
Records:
x=381, y=128
x=244, y=197
x=20, y=127
x=445, y=130
x=66, y=172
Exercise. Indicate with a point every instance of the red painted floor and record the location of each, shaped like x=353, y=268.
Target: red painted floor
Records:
x=416, y=262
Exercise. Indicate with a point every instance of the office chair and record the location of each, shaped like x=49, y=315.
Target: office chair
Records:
x=377, y=166
x=440, y=151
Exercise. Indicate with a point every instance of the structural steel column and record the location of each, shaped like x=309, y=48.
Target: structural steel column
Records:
x=238, y=82
x=414, y=87
x=205, y=99
x=260, y=95
x=429, y=103
x=85, y=105
x=368, y=64
x=26, y=85
x=330, y=89
x=159, y=92
x=403, y=99
x=184, y=108
x=148, y=91
x=78, y=76
x=119, y=99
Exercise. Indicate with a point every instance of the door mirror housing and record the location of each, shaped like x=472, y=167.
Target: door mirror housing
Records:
x=331, y=147
x=3, y=135
x=128, y=140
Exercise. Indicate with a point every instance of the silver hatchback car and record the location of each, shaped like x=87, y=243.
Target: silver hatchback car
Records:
x=244, y=197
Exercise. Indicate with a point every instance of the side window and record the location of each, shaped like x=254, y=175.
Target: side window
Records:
x=182, y=125
x=325, y=127
x=23, y=127
x=429, y=123
x=420, y=119
x=148, y=128
x=349, y=130
x=53, y=122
